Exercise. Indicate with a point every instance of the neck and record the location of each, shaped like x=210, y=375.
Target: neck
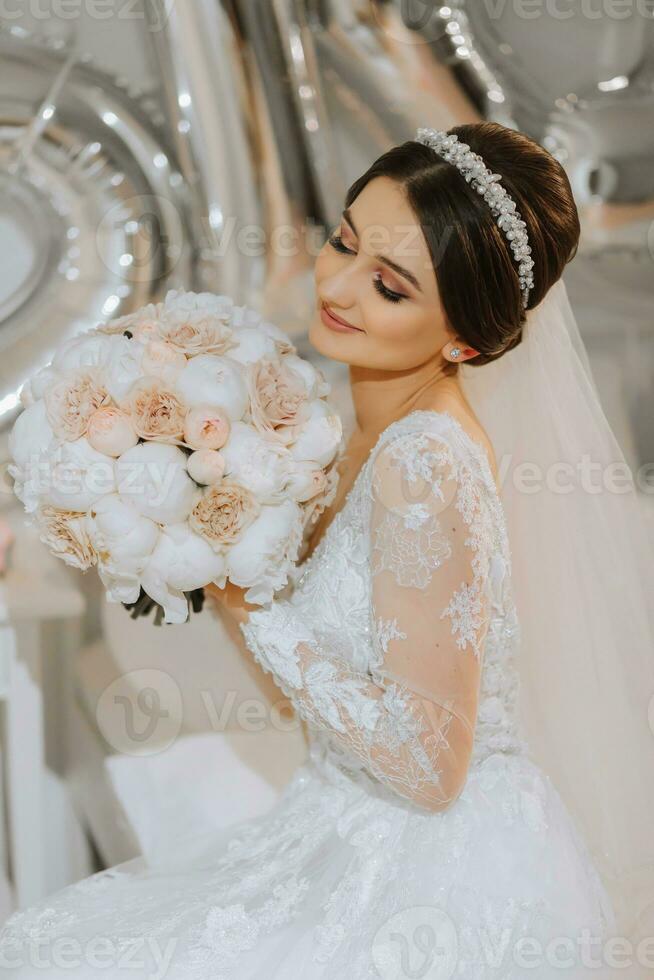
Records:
x=380, y=397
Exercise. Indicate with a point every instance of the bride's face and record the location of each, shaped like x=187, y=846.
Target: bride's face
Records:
x=376, y=273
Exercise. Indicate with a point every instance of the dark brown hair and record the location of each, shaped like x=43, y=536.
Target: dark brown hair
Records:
x=475, y=270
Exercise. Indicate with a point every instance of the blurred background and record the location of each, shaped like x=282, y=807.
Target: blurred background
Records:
x=207, y=144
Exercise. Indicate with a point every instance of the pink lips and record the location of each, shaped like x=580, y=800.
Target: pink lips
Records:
x=336, y=323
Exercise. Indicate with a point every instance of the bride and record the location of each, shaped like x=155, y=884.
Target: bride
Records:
x=469, y=644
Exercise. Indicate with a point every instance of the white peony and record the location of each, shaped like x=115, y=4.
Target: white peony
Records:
x=85, y=350
x=32, y=436
x=318, y=438
x=182, y=301
x=262, y=558
x=284, y=343
x=252, y=344
x=117, y=356
x=35, y=387
x=244, y=317
x=181, y=561
x=256, y=463
x=76, y=475
x=196, y=372
x=124, y=541
x=152, y=477
x=315, y=382
x=213, y=380
x=306, y=479
x=122, y=367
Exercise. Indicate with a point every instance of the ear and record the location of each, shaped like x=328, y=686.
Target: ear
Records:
x=457, y=351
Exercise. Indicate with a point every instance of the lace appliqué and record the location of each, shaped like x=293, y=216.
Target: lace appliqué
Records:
x=466, y=607
x=387, y=630
x=418, y=459
x=465, y=610
x=411, y=549
x=230, y=930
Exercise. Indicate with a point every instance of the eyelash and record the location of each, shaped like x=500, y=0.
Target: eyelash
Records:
x=337, y=242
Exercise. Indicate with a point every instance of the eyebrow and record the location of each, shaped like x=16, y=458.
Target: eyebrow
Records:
x=382, y=258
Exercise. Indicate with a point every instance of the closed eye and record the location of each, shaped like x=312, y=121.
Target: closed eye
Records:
x=337, y=243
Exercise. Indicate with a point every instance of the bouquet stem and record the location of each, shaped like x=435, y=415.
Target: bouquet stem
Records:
x=144, y=605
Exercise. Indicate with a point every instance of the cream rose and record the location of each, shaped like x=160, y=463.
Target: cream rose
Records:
x=206, y=427
x=197, y=323
x=71, y=402
x=278, y=398
x=66, y=533
x=143, y=324
x=223, y=513
x=156, y=411
x=110, y=431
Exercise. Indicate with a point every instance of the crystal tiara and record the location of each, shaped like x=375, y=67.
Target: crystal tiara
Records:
x=486, y=183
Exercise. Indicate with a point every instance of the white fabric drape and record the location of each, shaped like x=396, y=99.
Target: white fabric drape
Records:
x=583, y=574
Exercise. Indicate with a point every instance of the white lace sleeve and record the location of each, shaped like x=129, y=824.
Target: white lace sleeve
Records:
x=411, y=717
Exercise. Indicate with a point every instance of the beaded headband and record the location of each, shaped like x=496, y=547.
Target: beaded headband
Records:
x=486, y=183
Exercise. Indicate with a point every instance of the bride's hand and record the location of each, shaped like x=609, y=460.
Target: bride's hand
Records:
x=231, y=599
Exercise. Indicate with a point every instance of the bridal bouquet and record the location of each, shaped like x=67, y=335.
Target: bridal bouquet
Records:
x=183, y=444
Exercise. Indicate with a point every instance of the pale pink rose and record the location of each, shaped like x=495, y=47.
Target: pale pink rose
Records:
x=71, y=402
x=206, y=427
x=223, y=513
x=206, y=466
x=278, y=398
x=110, y=431
x=66, y=533
x=156, y=411
x=162, y=361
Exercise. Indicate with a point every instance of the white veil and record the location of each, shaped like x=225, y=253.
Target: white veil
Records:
x=583, y=582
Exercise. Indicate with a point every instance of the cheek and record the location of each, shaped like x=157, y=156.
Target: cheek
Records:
x=399, y=324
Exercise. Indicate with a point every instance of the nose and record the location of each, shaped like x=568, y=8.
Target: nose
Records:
x=340, y=289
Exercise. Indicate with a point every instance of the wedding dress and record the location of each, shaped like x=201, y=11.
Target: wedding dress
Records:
x=419, y=839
